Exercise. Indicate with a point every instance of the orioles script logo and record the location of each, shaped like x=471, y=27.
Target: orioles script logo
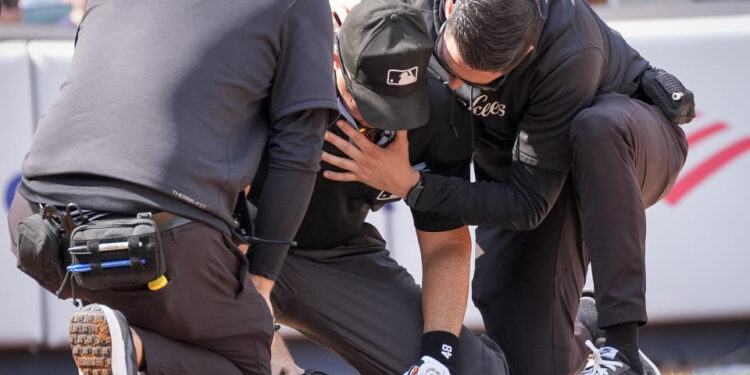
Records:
x=482, y=107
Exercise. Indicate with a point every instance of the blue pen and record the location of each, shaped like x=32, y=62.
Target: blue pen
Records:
x=85, y=267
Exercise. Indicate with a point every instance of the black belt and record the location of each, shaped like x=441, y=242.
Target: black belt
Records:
x=164, y=220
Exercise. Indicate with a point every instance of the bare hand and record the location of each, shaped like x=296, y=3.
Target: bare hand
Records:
x=382, y=168
x=282, y=362
x=285, y=366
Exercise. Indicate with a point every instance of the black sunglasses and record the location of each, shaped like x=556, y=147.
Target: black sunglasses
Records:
x=490, y=86
x=380, y=137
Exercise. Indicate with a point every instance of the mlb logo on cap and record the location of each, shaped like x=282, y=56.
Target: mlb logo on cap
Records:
x=401, y=77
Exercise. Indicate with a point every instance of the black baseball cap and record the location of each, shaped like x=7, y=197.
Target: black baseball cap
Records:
x=384, y=49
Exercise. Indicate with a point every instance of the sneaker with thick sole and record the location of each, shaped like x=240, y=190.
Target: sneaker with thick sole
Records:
x=609, y=361
x=101, y=342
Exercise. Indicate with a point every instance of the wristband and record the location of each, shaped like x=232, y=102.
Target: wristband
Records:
x=441, y=345
x=415, y=192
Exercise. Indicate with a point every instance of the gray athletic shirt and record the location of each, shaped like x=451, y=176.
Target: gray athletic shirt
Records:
x=169, y=104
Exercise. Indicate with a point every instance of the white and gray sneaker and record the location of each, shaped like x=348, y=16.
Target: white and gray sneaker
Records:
x=101, y=342
x=649, y=368
x=609, y=361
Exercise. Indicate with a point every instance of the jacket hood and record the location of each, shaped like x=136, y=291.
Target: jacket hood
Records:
x=557, y=16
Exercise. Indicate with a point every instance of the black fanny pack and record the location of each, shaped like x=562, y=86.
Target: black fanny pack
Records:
x=666, y=92
x=54, y=247
x=116, y=253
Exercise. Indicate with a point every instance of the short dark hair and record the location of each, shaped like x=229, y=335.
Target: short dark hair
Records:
x=10, y=4
x=493, y=35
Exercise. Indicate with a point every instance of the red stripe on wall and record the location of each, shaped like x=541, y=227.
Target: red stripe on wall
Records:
x=706, y=132
x=705, y=169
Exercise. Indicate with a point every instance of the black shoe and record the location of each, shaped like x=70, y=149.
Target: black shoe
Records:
x=609, y=361
x=101, y=342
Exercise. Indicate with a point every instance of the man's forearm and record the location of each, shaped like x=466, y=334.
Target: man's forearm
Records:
x=446, y=258
x=292, y=163
x=519, y=204
x=281, y=208
x=264, y=287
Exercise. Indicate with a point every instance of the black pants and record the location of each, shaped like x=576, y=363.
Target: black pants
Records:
x=209, y=319
x=626, y=157
x=527, y=285
x=362, y=305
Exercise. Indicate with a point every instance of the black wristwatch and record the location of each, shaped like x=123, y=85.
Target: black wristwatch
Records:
x=415, y=192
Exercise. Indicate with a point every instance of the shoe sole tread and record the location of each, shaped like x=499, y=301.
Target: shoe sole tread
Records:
x=91, y=341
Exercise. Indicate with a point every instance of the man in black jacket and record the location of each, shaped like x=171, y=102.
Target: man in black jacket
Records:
x=552, y=90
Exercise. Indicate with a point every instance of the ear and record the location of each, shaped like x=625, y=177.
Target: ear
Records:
x=449, y=7
x=336, y=63
x=528, y=51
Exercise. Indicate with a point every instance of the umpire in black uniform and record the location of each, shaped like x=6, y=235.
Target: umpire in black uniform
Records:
x=339, y=286
x=167, y=109
x=552, y=89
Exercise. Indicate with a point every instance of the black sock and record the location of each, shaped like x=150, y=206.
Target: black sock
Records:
x=624, y=337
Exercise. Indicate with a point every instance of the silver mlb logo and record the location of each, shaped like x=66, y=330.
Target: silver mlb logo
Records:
x=402, y=77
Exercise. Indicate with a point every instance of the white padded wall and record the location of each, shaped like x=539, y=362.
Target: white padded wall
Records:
x=20, y=309
x=50, y=62
x=698, y=243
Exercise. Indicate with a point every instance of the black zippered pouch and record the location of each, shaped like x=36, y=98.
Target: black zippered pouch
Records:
x=667, y=93
x=116, y=253
x=40, y=252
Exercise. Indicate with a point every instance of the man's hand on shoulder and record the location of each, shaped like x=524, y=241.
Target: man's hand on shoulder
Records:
x=385, y=169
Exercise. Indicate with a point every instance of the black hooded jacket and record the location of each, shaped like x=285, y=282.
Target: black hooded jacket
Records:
x=521, y=130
